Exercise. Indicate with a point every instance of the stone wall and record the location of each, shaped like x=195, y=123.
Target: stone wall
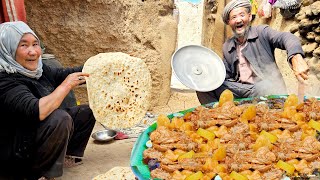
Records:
x=74, y=30
x=214, y=30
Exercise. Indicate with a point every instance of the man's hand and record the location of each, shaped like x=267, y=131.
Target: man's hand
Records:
x=300, y=67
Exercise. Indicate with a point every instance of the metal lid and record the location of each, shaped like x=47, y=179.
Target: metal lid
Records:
x=198, y=68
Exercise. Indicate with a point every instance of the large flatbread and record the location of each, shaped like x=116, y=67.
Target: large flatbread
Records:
x=119, y=89
x=117, y=173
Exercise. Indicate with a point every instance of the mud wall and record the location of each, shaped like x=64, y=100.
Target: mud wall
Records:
x=74, y=30
x=214, y=30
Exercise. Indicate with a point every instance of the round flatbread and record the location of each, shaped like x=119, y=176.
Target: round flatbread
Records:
x=117, y=173
x=119, y=89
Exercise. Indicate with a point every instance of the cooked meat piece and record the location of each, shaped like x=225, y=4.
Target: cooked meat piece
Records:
x=227, y=112
x=256, y=175
x=303, y=167
x=276, y=125
x=163, y=135
x=171, y=167
x=152, y=153
x=187, y=164
x=160, y=174
x=246, y=166
x=191, y=164
x=309, y=157
x=289, y=156
x=262, y=109
x=206, y=124
x=185, y=147
x=273, y=174
x=240, y=128
x=310, y=145
x=239, y=157
x=311, y=109
x=262, y=168
x=264, y=156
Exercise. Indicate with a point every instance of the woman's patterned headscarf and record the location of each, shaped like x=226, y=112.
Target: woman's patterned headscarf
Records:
x=10, y=36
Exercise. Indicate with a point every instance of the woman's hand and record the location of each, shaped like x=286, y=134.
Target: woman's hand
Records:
x=75, y=79
x=300, y=67
x=51, y=102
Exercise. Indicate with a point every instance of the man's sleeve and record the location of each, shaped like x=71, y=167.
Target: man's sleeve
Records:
x=283, y=40
x=225, y=62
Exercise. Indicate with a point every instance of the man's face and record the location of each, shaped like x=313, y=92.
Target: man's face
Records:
x=239, y=20
x=28, y=52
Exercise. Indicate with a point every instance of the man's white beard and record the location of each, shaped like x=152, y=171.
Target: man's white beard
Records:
x=242, y=35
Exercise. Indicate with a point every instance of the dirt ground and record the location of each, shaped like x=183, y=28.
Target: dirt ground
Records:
x=101, y=157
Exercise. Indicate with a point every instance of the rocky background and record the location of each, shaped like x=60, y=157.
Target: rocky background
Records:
x=75, y=30
x=307, y=28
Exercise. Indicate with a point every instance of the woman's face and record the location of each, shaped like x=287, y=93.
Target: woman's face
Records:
x=239, y=20
x=28, y=52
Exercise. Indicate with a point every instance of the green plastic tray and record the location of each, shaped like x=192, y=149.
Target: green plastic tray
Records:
x=140, y=169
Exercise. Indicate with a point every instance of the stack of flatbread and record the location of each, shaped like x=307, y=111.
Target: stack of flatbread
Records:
x=119, y=89
x=117, y=173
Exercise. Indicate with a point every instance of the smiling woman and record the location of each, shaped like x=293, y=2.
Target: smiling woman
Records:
x=28, y=52
x=40, y=136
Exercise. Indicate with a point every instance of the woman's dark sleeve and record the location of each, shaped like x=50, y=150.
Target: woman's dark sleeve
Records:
x=59, y=74
x=17, y=99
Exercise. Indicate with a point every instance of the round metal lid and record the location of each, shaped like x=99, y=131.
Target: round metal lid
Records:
x=198, y=68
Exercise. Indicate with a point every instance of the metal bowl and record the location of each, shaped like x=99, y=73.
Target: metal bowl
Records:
x=104, y=135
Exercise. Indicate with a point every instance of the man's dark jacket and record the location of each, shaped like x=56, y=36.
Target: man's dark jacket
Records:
x=261, y=44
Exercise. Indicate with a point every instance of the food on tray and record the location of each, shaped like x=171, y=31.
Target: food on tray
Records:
x=253, y=140
x=119, y=89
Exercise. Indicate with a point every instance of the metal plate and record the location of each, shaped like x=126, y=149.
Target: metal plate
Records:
x=104, y=135
x=198, y=68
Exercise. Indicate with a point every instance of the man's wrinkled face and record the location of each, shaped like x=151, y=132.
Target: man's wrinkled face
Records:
x=239, y=20
x=28, y=52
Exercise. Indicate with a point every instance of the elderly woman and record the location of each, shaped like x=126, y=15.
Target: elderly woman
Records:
x=251, y=69
x=35, y=134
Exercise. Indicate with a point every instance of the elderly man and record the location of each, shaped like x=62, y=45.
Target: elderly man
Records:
x=249, y=58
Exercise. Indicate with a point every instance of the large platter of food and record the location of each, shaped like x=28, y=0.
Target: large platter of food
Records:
x=274, y=137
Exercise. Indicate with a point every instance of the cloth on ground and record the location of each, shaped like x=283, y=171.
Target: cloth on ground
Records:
x=120, y=136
